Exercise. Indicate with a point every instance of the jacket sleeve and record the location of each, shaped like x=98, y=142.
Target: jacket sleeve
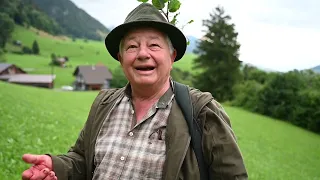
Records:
x=220, y=148
x=72, y=165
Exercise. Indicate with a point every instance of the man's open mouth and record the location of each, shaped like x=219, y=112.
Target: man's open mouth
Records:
x=145, y=68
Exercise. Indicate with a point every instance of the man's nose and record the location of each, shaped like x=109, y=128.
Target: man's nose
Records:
x=143, y=53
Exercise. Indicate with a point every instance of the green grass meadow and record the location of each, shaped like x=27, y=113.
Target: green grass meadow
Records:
x=36, y=120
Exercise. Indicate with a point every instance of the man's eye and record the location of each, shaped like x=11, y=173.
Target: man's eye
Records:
x=131, y=46
x=155, y=45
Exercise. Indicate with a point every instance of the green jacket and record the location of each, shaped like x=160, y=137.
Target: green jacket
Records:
x=220, y=149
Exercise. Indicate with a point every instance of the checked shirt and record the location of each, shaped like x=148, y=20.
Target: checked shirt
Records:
x=127, y=150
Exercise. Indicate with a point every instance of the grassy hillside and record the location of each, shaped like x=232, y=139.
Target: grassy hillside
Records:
x=79, y=53
x=45, y=121
x=37, y=121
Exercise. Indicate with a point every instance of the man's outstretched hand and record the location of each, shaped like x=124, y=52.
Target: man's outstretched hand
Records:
x=41, y=167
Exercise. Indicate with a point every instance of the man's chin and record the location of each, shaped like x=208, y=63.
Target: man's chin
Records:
x=145, y=81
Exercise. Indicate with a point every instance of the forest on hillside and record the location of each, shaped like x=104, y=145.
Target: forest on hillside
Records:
x=59, y=17
x=25, y=14
x=74, y=21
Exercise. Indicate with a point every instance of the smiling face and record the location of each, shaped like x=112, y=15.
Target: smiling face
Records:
x=145, y=57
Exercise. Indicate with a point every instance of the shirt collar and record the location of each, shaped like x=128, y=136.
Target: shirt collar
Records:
x=164, y=100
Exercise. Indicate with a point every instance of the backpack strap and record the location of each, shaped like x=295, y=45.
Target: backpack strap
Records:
x=183, y=99
x=199, y=101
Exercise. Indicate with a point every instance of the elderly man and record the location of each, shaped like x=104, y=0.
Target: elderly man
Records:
x=138, y=131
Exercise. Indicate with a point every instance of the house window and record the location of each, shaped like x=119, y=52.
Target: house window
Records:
x=79, y=78
x=83, y=87
x=106, y=84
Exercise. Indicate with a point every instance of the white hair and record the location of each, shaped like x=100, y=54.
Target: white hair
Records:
x=167, y=39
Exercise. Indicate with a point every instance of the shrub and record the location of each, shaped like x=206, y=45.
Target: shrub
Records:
x=308, y=115
x=118, y=78
x=246, y=95
x=27, y=50
x=293, y=96
x=280, y=95
x=181, y=76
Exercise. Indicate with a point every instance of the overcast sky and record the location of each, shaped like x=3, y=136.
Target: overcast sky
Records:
x=275, y=34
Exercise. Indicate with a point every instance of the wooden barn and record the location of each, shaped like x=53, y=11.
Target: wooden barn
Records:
x=9, y=69
x=13, y=74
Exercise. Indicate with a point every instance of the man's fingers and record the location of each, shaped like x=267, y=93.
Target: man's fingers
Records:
x=43, y=161
x=35, y=173
x=40, y=174
x=51, y=176
x=27, y=174
x=41, y=168
x=31, y=159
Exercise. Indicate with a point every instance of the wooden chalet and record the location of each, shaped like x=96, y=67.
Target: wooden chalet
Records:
x=92, y=77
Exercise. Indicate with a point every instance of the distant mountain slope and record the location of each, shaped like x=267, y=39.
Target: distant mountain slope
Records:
x=259, y=67
x=192, y=45
x=74, y=21
x=316, y=69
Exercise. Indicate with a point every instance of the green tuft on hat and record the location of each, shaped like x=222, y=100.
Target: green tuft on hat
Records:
x=146, y=15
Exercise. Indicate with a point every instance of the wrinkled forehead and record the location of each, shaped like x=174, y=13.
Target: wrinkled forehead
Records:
x=145, y=32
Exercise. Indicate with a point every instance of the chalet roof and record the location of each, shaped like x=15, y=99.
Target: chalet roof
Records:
x=93, y=74
x=29, y=78
x=4, y=66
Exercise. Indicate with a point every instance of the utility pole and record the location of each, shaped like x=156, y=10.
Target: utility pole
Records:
x=52, y=71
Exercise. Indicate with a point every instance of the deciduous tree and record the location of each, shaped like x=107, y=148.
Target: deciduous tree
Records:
x=7, y=27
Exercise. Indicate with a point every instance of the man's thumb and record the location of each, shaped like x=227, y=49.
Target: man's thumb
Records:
x=31, y=158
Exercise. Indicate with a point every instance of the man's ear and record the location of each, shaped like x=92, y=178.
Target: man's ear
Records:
x=173, y=56
x=119, y=57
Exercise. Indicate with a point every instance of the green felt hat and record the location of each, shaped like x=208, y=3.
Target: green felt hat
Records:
x=146, y=15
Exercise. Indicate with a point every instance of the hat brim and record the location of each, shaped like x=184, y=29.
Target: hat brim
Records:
x=178, y=40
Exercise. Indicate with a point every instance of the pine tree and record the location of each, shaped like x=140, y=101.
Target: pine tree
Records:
x=35, y=47
x=218, y=57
